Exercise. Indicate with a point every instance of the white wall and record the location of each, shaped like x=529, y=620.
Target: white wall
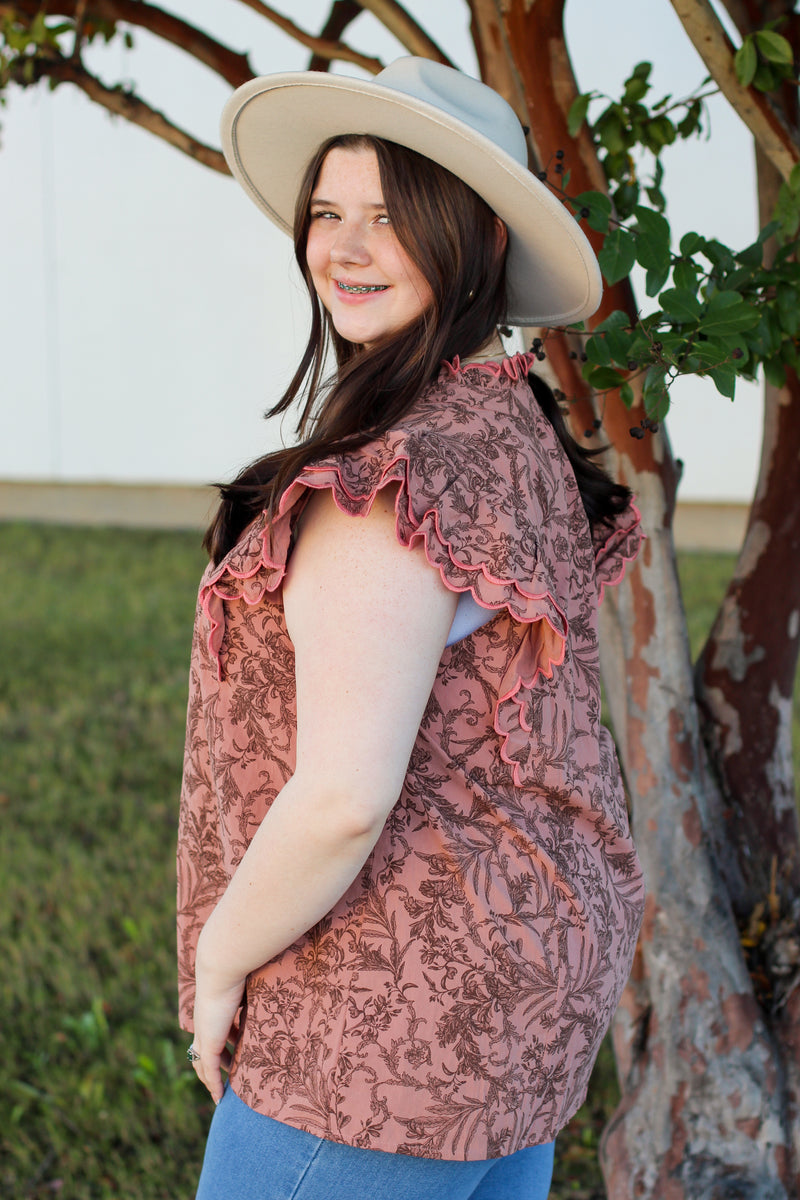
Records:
x=149, y=314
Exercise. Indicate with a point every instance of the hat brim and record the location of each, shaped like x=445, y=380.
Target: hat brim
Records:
x=272, y=126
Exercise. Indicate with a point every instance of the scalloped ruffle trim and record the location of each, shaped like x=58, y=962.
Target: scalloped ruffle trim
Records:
x=516, y=367
x=258, y=565
x=619, y=547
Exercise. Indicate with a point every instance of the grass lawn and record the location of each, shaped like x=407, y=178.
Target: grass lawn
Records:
x=97, y=1100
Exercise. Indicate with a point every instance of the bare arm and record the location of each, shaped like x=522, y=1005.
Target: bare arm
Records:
x=369, y=621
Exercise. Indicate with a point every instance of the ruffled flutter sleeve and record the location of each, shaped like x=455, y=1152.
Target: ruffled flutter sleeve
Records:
x=487, y=491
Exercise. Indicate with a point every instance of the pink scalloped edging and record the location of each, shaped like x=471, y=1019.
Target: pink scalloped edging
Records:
x=511, y=698
x=515, y=367
x=428, y=530
x=624, y=558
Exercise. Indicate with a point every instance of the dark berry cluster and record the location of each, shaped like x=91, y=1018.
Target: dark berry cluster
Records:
x=638, y=431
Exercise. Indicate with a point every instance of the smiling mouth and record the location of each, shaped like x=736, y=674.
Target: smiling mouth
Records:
x=358, y=290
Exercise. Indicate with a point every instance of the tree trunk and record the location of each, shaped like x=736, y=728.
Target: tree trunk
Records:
x=745, y=675
x=703, y=1103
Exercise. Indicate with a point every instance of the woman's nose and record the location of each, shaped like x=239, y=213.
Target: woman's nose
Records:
x=349, y=245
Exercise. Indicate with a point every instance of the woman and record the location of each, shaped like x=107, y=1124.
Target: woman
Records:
x=407, y=889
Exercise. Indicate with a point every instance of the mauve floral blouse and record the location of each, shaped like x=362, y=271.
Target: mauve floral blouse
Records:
x=452, y=1003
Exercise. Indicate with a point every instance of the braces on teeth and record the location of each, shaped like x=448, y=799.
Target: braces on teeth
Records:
x=374, y=287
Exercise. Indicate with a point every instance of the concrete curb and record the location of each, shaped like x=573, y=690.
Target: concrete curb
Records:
x=712, y=526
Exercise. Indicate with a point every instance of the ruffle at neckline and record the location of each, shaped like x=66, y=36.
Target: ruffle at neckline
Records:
x=515, y=367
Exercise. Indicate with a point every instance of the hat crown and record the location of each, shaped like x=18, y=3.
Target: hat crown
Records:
x=460, y=96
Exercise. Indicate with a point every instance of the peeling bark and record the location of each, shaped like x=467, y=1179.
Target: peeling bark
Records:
x=704, y=1098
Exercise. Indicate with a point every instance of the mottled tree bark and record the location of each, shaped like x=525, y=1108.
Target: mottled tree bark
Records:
x=704, y=1096
x=745, y=675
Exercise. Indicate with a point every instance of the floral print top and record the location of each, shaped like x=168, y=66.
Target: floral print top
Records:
x=452, y=1003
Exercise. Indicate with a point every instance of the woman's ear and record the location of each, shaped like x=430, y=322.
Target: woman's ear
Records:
x=501, y=235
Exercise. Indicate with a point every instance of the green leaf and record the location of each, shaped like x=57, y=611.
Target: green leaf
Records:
x=788, y=303
x=724, y=380
x=597, y=351
x=654, y=394
x=684, y=275
x=653, y=224
x=652, y=239
x=611, y=131
x=656, y=198
x=745, y=61
x=660, y=133
x=618, y=319
x=727, y=312
x=711, y=352
x=740, y=280
x=602, y=378
x=651, y=254
x=617, y=255
x=599, y=207
x=719, y=254
x=635, y=89
x=765, y=79
x=691, y=122
x=772, y=227
x=691, y=243
x=681, y=305
x=38, y=29
x=656, y=278
x=577, y=113
x=618, y=336
x=626, y=395
x=766, y=340
x=775, y=48
x=626, y=197
x=775, y=372
x=787, y=210
x=751, y=256
x=619, y=345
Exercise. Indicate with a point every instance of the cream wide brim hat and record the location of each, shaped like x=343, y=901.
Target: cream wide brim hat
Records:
x=273, y=125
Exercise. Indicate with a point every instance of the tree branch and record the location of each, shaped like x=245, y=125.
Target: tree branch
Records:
x=496, y=62
x=408, y=33
x=341, y=14
x=123, y=104
x=716, y=50
x=233, y=67
x=321, y=46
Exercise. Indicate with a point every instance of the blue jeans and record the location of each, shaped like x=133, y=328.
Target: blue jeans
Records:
x=251, y=1157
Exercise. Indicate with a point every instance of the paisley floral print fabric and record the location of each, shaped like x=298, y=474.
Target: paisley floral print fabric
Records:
x=452, y=1003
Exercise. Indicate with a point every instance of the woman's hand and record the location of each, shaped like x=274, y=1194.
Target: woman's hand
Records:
x=216, y=1005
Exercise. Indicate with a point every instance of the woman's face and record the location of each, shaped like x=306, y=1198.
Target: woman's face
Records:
x=361, y=273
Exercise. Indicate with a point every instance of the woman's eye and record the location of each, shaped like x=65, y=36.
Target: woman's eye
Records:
x=323, y=215
x=383, y=219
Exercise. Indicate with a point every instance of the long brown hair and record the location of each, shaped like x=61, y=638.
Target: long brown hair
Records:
x=451, y=235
